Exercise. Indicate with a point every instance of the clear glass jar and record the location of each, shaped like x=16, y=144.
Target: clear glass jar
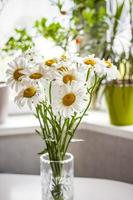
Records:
x=57, y=178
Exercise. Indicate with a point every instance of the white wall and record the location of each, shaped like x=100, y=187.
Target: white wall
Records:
x=23, y=12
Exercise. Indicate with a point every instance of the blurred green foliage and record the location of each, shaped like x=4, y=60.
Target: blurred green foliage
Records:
x=52, y=30
x=22, y=41
x=89, y=18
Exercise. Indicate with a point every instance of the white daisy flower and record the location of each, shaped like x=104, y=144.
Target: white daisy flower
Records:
x=65, y=63
x=50, y=62
x=92, y=63
x=37, y=74
x=15, y=72
x=110, y=70
x=89, y=61
x=57, y=63
x=99, y=68
x=30, y=94
x=71, y=58
x=58, y=66
x=69, y=99
x=68, y=76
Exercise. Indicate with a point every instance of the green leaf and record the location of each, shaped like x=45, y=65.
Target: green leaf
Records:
x=43, y=152
x=38, y=132
x=102, y=12
x=117, y=16
x=89, y=16
x=23, y=41
x=52, y=30
x=70, y=132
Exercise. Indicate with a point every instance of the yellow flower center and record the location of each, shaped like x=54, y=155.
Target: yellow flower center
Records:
x=29, y=92
x=69, y=99
x=68, y=78
x=50, y=62
x=63, y=57
x=108, y=63
x=17, y=74
x=36, y=76
x=90, y=62
x=62, y=69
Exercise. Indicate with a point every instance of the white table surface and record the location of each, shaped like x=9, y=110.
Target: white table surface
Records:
x=28, y=187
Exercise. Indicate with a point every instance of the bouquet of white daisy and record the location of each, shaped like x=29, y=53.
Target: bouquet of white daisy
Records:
x=59, y=91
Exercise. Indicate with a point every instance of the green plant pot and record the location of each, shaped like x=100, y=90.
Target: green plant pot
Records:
x=120, y=104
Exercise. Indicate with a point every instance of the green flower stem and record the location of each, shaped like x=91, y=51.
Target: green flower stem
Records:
x=74, y=130
x=88, y=73
x=50, y=145
x=69, y=140
x=57, y=135
x=42, y=111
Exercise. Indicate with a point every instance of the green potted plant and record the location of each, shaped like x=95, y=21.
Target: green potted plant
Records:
x=119, y=94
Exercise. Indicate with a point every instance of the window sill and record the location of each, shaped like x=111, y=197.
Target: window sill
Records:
x=96, y=121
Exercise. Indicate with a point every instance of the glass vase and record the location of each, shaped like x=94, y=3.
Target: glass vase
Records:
x=57, y=178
